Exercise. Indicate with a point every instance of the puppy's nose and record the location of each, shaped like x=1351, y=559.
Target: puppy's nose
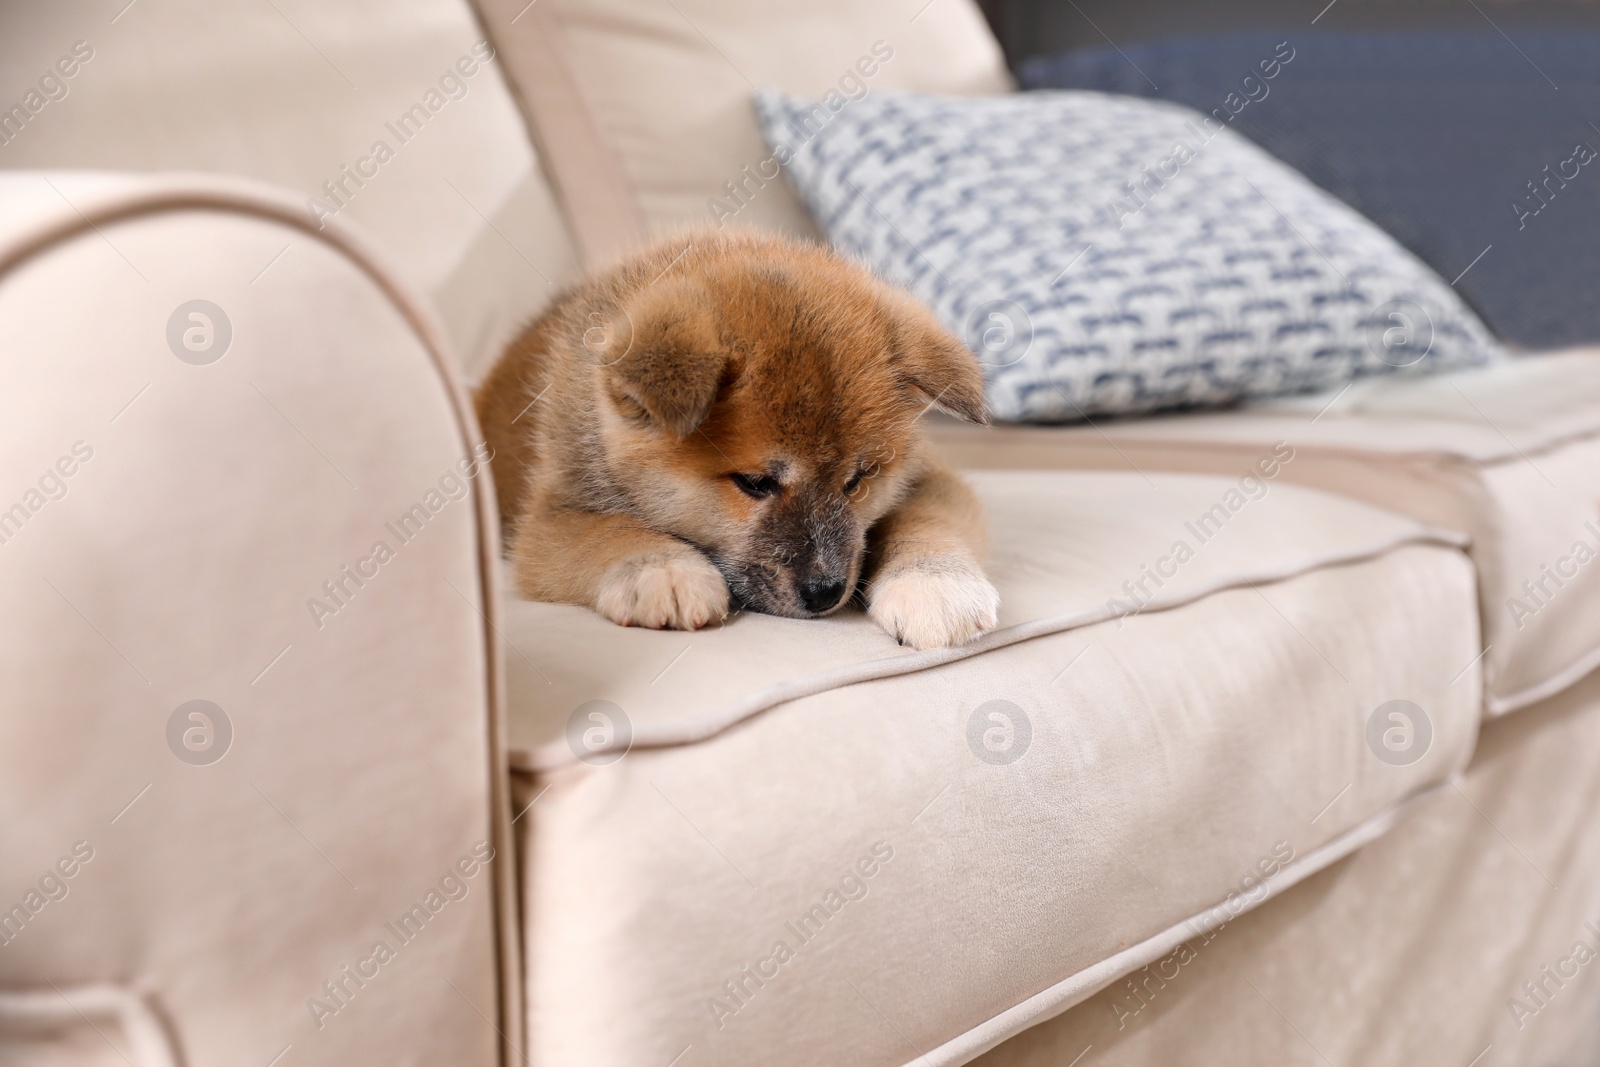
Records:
x=821, y=593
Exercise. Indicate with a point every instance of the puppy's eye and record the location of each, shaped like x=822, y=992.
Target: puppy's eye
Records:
x=855, y=481
x=759, y=486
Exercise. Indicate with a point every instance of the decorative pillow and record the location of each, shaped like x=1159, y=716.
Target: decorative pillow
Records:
x=1106, y=255
x=1454, y=141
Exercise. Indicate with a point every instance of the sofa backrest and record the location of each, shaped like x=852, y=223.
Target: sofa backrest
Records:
x=644, y=111
x=401, y=119
x=394, y=116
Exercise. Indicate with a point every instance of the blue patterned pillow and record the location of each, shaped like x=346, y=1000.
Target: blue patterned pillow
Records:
x=1107, y=255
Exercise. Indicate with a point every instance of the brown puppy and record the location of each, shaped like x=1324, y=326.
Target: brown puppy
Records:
x=738, y=413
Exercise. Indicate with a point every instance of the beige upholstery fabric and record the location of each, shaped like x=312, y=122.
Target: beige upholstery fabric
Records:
x=1174, y=757
x=1412, y=951
x=644, y=107
x=1160, y=764
x=168, y=519
x=1509, y=455
x=298, y=94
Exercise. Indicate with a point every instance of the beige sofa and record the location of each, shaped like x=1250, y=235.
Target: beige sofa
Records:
x=290, y=778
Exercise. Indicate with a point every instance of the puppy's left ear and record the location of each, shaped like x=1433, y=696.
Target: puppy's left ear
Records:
x=931, y=360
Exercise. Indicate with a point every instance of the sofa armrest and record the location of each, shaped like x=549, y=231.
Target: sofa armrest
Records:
x=251, y=757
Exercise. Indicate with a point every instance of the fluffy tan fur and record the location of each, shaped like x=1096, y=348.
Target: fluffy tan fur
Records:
x=738, y=413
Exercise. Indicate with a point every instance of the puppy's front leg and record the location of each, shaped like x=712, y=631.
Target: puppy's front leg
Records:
x=926, y=586
x=632, y=575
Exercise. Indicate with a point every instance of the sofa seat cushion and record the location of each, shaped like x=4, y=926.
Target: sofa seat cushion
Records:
x=741, y=840
x=1509, y=455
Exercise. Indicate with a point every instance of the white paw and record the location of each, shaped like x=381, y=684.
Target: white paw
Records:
x=681, y=591
x=938, y=603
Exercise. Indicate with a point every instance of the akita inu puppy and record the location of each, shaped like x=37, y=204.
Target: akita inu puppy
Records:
x=738, y=414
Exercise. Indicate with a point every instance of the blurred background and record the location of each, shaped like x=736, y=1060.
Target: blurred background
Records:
x=1028, y=28
x=1435, y=119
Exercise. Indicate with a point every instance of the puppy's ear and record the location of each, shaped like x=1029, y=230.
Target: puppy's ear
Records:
x=929, y=359
x=665, y=355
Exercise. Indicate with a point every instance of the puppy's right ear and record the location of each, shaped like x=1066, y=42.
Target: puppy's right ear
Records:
x=931, y=361
x=666, y=356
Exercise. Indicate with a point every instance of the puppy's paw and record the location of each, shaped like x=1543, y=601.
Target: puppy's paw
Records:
x=676, y=591
x=936, y=603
